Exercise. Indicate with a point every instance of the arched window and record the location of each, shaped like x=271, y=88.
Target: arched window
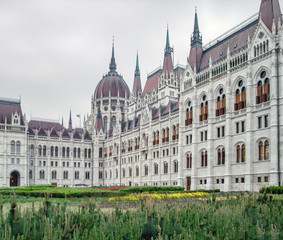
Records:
x=31, y=150
x=87, y=175
x=223, y=156
x=68, y=152
x=39, y=150
x=155, y=168
x=52, y=151
x=157, y=137
x=219, y=156
x=145, y=170
x=89, y=153
x=175, y=166
x=30, y=174
x=202, y=159
x=221, y=103
x=243, y=153
x=260, y=151
x=75, y=152
x=130, y=172
x=54, y=174
x=100, y=152
x=18, y=147
x=266, y=150
x=113, y=122
x=41, y=174
x=203, y=109
x=13, y=147
x=189, y=160
x=85, y=153
x=174, y=133
x=123, y=172
x=167, y=135
x=63, y=152
x=238, y=150
x=263, y=88
x=240, y=102
x=163, y=135
x=56, y=151
x=79, y=153
x=137, y=171
x=189, y=114
x=165, y=167
x=65, y=175
x=44, y=151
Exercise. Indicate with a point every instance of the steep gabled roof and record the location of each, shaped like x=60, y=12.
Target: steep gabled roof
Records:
x=87, y=136
x=54, y=133
x=8, y=107
x=269, y=11
x=35, y=124
x=41, y=132
x=152, y=81
x=65, y=134
x=76, y=135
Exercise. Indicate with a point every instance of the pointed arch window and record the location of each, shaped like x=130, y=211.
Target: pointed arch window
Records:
x=145, y=170
x=263, y=88
x=31, y=150
x=203, y=109
x=241, y=153
x=54, y=174
x=189, y=114
x=18, y=147
x=221, y=103
x=13, y=147
x=189, y=160
x=165, y=167
x=240, y=101
x=155, y=168
x=39, y=150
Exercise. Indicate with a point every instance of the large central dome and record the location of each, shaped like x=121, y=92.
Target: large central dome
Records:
x=112, y=84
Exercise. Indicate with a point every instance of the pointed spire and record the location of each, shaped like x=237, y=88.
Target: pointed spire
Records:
x=196, y=39
x=70, y=121
x=137, y=71
x=168, y=49
x=112, y=65
x=137, y=88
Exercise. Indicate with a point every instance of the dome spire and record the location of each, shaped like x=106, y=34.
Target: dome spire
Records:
x=137, y=88
x=112, y=65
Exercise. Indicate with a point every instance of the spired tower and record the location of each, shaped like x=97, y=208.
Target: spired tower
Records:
x=167, y=82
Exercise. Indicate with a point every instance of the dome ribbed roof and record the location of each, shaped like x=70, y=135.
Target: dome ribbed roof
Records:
x=112, y=85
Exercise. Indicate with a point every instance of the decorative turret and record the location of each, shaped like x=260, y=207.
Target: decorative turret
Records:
x=269, y=12
x=98, y=123
x=196, y=46
x=137, y=88
x=70, y=122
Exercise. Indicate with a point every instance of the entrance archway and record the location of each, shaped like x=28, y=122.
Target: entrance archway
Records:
x=14, y=179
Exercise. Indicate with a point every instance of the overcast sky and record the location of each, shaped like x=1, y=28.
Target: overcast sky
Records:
x=54, y=52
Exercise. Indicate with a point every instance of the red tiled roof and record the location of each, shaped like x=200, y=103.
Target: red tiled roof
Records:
x=167, y=64
x=235, y=42
x=137, y=85
x=195, y=57
x=269, y=10
x=151, y=83
x=35, y=124
x=7, y=109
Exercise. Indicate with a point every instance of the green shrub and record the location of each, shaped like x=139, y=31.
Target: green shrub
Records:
x=272, y=190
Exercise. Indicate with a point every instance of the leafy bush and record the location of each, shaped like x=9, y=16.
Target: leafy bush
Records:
x=206, y=191
x=272, y=190
x=151, y=189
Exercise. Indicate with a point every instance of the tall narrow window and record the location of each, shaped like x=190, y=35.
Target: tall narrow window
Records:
x=18, y=147
x=243, y=154
x=238, y=153
x=266, y=150
x=260, y=151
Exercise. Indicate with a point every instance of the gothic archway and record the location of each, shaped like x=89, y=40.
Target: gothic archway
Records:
x=14, y=179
